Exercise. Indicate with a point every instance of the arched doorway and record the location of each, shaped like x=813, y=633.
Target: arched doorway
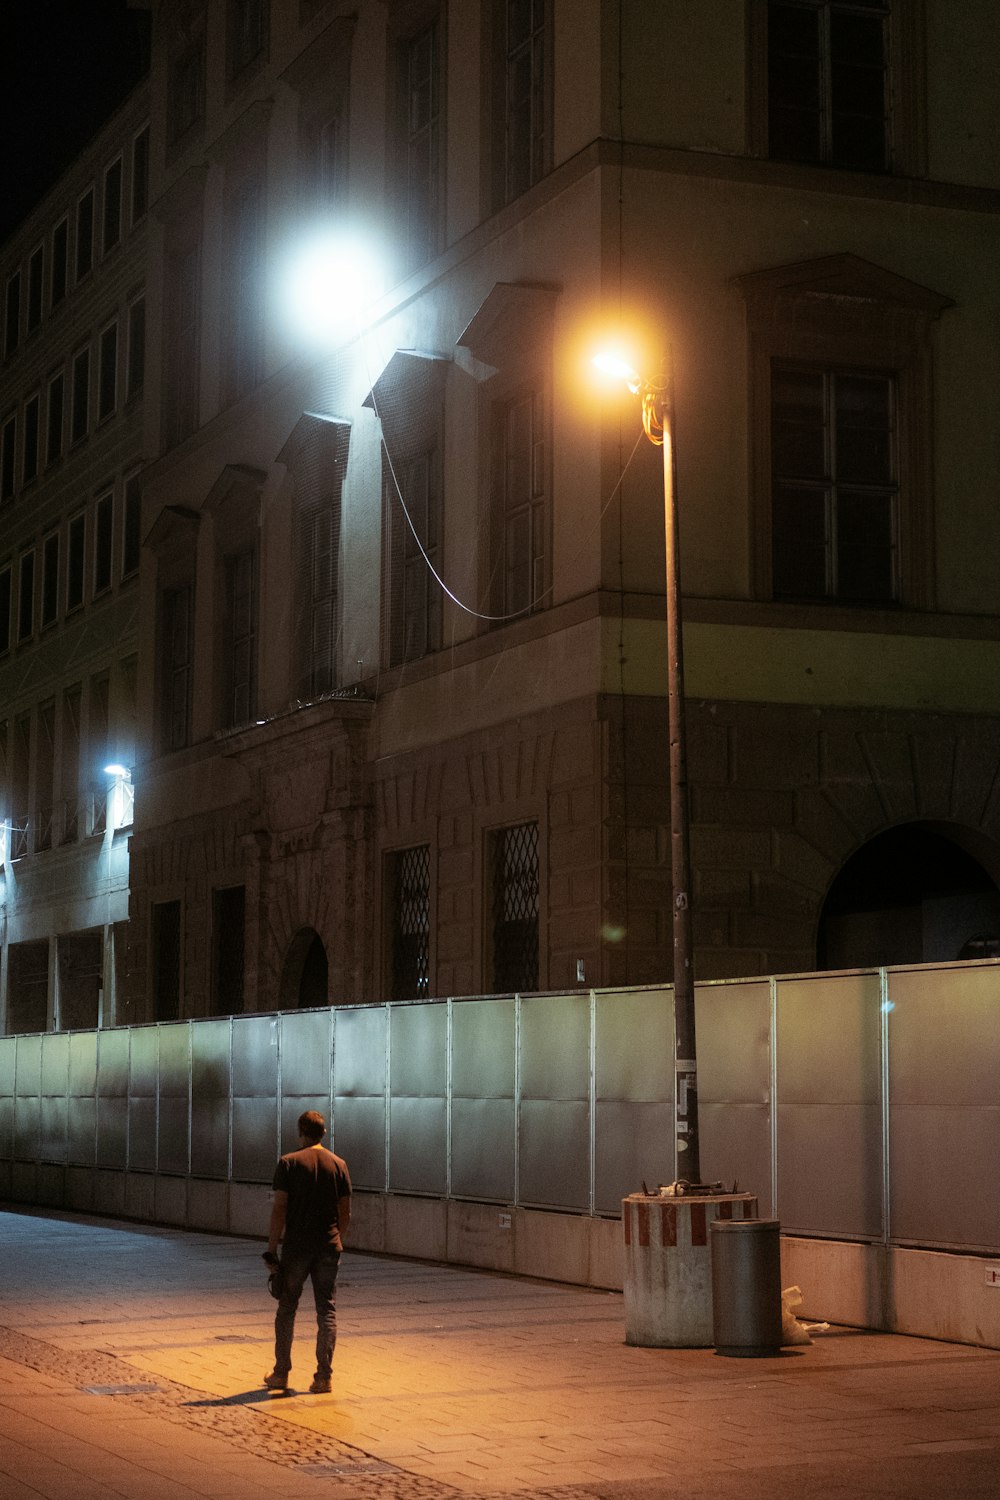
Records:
x=913, y=894
x=305, y=975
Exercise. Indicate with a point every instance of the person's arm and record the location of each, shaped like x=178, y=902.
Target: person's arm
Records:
x=344, y=1214
x=279, y=1208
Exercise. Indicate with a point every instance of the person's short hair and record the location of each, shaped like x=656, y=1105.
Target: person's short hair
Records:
x=312, y=1125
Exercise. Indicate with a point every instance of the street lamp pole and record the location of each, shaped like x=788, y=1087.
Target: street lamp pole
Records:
x=685, y=1062
x=658, y=425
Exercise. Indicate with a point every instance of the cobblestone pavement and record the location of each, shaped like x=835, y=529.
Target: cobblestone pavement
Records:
x=131, y=1361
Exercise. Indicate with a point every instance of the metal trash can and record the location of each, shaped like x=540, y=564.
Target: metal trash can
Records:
x=746, y=1286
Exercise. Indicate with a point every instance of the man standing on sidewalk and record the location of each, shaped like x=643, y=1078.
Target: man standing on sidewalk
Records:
x=311, y=1209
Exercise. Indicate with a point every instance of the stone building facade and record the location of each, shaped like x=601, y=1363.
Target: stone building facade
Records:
x=401, y=685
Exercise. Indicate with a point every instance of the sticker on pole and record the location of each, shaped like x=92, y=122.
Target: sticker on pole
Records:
x=993, y=1275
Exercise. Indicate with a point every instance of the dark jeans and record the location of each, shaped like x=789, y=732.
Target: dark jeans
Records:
x=322, y=1269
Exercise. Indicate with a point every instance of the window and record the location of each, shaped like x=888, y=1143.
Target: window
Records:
x=322, y=531
x=181, y=411
x=140, y=174
x=107, y=389
x=80, y=409
x=103, y=538
x=6, y=590
x=36, y=281
x=8, y=448
x=410, y=911
x=514, y=908
x=247, y=25
x=522, y=519
x=76, y=535
x=421, y=142
x=330, y=163
x=525, y=96
x=50, y=578
x=85, y=234
x=176, y=666
x=228, y=938
x=827, y=82
x=12, y=315
x=165, y=956
x=841, y=479
x=32, y=419
x=834, y=505
x=245, y=242
x=20, y=786
x=54, y=432
x=131, y=528
x=136, y=351
x=240, y=663
x=60, y=256
x=414, y=594
x=186, y=93
x=26, y=597
x=112, y=222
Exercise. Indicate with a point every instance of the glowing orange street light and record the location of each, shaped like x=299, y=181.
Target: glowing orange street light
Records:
x=658, y=424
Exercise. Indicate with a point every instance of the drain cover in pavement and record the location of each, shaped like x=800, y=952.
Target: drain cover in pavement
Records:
x=119, y=1390
x=237, y=1338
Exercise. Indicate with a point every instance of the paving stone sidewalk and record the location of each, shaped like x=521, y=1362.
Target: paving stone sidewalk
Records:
x=131, y=1361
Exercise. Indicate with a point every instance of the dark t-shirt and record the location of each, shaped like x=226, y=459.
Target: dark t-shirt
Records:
x=315, y=1182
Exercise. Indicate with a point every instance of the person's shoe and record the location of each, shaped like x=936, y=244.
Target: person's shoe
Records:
x=320, y=1385
x=275, y=1382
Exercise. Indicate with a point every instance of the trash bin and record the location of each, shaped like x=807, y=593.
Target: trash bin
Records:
x=746, y=1286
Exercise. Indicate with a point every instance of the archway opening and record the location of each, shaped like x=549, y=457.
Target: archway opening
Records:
x=305, y=976
x=913, y=894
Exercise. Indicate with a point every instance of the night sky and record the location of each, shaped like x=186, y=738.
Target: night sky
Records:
x=64, y=67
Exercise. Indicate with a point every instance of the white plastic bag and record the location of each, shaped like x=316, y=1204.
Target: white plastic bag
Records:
x=793, y=1330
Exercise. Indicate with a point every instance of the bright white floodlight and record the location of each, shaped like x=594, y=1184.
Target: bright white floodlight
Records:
x=328, y=283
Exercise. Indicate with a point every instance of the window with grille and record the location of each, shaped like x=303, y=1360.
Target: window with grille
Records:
x=827, y=82
x=136, y=350
x=411, y=901
x=525, y=88
x=514, y=908
x=12, y=314
x=185, y=96
x=8, y=462
x=834, y=504
x=520, y=568
x=104, y=511
x=6, y=594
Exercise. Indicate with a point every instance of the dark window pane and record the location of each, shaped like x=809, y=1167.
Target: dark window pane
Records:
x=799, y=430
x=864, y=430
x=60, y=241
x=799, y=554
x=411, y=923
x=515, y=908
x=865, y=547
x=84, y=235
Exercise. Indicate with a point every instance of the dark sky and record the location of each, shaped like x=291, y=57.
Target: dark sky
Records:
x=64, y=67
